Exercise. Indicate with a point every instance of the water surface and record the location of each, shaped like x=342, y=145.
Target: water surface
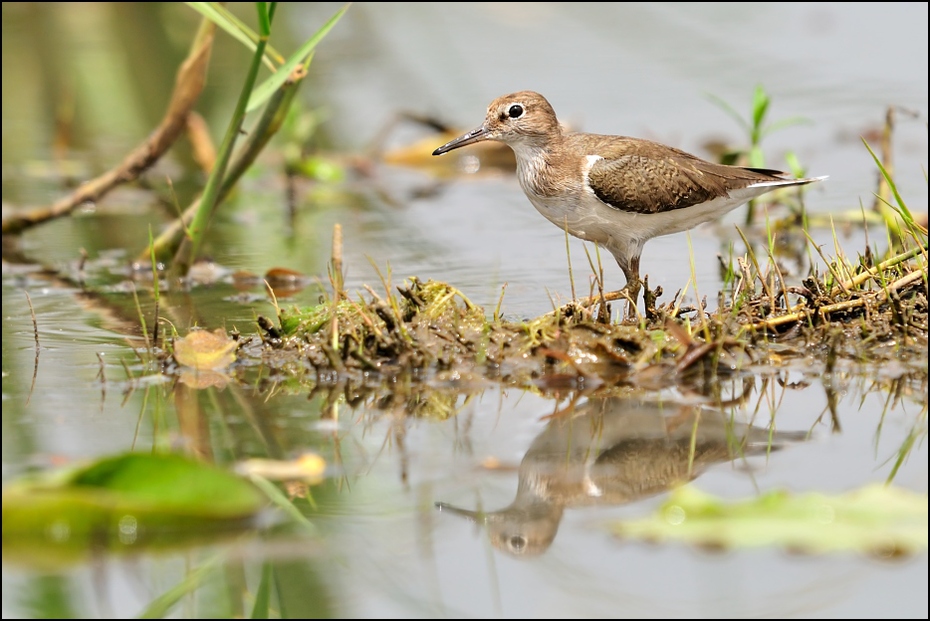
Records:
x=382, y=548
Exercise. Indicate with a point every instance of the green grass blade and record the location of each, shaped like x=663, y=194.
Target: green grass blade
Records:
x=794, y=165
x=730, y=110
x=264, y=19
x=263, y=91
x=209, y=200
x=235, y=28
x=756, y=157
x=283, y=502
x=902, y=208
x=782, y=124
x=263, y=595
x=159, y=607
x=275, y=55
x=760, y=104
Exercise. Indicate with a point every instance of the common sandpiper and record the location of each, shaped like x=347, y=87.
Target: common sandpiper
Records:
x=615, y=191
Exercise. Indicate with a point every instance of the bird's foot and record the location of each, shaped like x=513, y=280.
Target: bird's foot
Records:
x=595, y=307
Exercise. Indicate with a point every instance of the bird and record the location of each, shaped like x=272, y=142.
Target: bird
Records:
x=612, y=451
x=615, y=191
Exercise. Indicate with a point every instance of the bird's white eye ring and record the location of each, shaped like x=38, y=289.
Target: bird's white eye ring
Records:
x=515, y=111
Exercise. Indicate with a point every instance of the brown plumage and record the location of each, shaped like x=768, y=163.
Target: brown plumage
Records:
x=641, y=176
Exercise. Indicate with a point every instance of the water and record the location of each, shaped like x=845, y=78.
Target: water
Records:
x=384, y=549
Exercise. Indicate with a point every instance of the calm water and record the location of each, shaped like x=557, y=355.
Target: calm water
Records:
x=382, y=548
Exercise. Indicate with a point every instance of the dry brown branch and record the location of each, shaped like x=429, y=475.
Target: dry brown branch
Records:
x=202, y=146
x=188, y=86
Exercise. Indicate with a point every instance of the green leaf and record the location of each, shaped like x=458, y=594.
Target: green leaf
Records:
x=124, y=502
x=877, y=519
x=263, y=91
x=170, y=485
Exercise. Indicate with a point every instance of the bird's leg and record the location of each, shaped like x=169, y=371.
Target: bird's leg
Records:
x=630, y=291
x=633, y=283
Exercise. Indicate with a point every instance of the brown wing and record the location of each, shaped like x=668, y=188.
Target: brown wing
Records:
x=646, y=177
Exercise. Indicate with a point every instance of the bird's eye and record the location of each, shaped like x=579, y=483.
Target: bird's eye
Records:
x=515, y=112
x=517, y=543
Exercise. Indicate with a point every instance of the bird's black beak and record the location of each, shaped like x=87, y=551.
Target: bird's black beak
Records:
x=478, y=517
x=476, y=135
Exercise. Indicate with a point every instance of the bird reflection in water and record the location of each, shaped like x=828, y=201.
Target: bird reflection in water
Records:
x=610, y=452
